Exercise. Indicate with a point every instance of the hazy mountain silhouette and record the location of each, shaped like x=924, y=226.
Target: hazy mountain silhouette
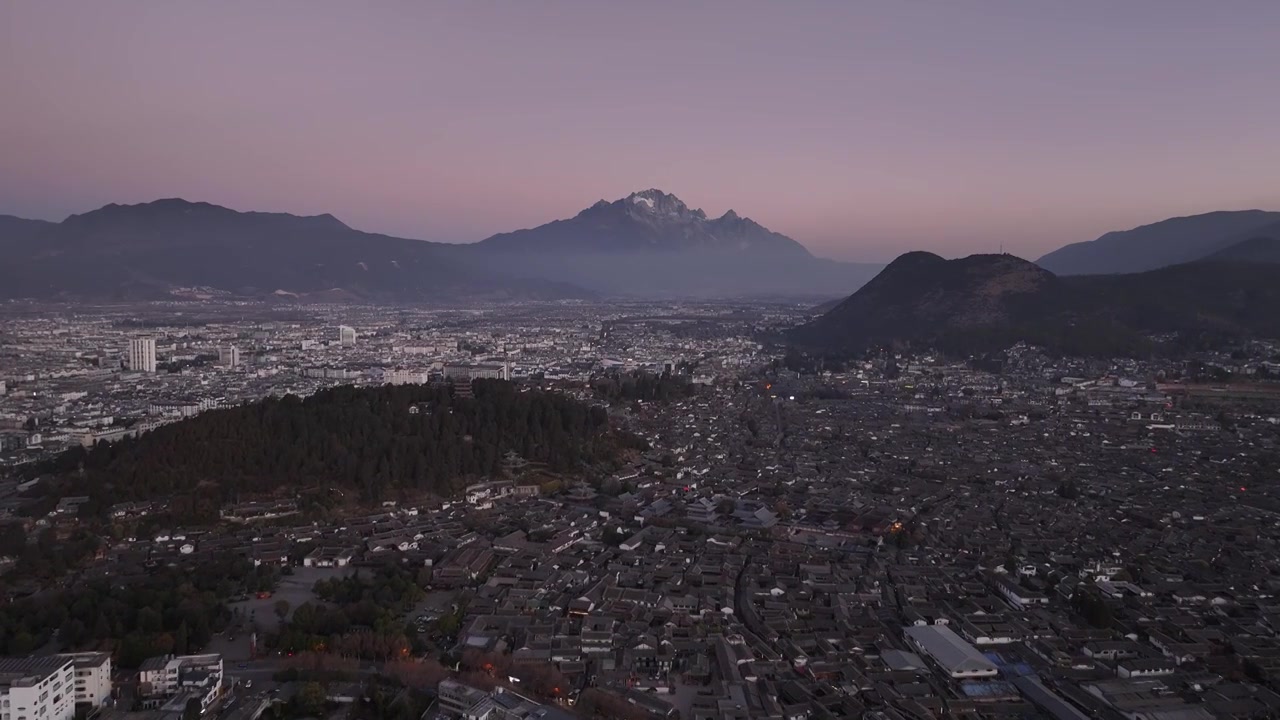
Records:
x=652, y=243
x=988, y=302
x=646, y=221
x=648, y=244
x=16, y=230
x=1256, y=249
x=145, y=250
x=1168, y=242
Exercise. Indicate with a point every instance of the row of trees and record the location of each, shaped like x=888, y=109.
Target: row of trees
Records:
x=171, y=609
x=375, y=440
x=641, y=385
x=46, y=557
x=361, y=617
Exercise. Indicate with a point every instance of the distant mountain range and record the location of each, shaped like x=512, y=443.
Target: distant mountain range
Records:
x=1257, y=250
x=989, y=302
x=651, y=243
x=1168, y=242
x=15, y=230
x=647, y=244
x=144, y=251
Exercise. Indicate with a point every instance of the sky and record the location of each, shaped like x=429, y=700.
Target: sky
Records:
x=861, y=129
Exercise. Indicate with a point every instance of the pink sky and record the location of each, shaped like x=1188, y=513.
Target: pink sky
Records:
x=861, y=129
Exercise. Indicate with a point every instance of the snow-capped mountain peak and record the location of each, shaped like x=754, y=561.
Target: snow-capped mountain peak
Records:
x=651, y=220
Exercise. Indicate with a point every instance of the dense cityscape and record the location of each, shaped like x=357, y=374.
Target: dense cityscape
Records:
x=692, y=360
x=901, y=536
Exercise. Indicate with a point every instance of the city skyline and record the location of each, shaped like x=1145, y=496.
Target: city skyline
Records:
x=859, y=131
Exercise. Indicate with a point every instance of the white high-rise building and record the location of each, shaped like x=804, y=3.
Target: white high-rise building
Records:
x=142, y=354
x=229, y=356
x=93, y=677
x=37, y=687
x=346, y=336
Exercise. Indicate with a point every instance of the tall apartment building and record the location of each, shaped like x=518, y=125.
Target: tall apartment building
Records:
x=346, y=336
x=142, y=355
x=229, y=356
x=37, y=688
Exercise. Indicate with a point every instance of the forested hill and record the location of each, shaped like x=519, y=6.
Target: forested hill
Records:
x=376, y=441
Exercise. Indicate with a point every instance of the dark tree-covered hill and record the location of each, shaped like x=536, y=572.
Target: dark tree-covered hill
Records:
x=375, y=441
x=983, y=303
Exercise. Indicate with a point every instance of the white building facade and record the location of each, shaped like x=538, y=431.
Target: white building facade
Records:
x=92, y=677
x=346, y=336
x=163, y=677
x=142, y=355
x=229, y=356
x=40, y=688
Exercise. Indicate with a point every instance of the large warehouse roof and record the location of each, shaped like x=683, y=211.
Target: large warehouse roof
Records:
x=949, y=649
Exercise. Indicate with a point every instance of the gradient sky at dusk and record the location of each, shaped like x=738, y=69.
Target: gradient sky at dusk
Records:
x=859, y=128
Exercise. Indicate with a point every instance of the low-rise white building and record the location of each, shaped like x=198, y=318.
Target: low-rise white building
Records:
x=951, y=652
x=164, y=676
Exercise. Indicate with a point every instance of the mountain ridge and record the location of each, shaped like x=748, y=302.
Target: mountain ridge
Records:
x=983, y=303
x=171, y=205
x=146, y=250
x=15, y=230
x=651, y=243
x=1159, y=244
x=1264, y=249
x=648, y=244
x=647, y=219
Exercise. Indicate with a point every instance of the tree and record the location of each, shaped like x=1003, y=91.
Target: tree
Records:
x=146, y=617
x=181, y=639
x=543, y=680
x=13, y=539
x=22, y=644
x=311, y=698
x=611, y=486
x=282, y=608
x=597, y=703
x=612, y=536
x=418, y=675
x=1093, y=608
x=192, y=711
x=149, y=621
